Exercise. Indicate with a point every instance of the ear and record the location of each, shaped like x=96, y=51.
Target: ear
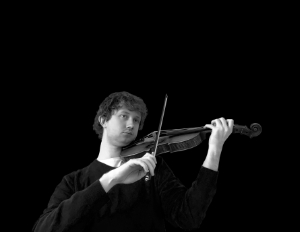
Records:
x=102, y=121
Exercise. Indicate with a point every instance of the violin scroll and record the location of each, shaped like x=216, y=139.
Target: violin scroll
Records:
x=255, y=130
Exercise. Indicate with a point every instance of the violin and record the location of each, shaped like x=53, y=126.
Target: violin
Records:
x=163, y=141
x=178, y=140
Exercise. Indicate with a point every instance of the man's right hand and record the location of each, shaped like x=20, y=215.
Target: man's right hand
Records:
x=134, y=169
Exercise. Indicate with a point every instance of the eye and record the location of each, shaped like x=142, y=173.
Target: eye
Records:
x=123, y=115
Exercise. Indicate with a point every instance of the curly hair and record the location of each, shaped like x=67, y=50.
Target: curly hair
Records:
x=114, y=102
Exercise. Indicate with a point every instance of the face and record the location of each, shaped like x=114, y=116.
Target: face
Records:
x=122, y=128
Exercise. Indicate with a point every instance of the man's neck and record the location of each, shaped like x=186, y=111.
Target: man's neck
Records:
x=108, y=151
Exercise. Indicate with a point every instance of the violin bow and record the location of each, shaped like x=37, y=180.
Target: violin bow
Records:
x=148, y=175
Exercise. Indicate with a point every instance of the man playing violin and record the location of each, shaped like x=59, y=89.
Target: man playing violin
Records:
x=112, y=195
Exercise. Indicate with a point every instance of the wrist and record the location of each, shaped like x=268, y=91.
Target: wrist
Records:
x=215, y=150
x=213, y=158
x=107, y=181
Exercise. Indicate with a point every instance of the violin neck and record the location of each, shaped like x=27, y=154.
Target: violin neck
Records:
x=255, y=130
x=186, y=131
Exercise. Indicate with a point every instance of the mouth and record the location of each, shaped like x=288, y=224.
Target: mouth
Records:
x=129, y=133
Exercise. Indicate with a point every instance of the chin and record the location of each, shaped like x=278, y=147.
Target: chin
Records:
x=128, y=142
x=125, y=143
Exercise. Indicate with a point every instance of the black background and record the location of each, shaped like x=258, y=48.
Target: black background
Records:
x=209, y=69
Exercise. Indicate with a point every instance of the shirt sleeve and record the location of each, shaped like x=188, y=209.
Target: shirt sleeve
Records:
x=185, y=207
x=69, y=209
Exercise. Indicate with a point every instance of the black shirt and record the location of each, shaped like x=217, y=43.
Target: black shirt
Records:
x=79, y=202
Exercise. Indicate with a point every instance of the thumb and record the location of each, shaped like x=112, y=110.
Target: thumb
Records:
x=208, y=126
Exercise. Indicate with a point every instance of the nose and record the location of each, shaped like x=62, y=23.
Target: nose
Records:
x=130, y=123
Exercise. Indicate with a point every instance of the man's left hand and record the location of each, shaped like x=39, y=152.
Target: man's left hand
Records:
x=221, y=129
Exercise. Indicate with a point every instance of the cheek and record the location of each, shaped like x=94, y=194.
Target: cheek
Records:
x=113, y=129
x=136, y=131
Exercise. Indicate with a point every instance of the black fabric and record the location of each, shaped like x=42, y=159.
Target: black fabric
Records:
x=79, y=202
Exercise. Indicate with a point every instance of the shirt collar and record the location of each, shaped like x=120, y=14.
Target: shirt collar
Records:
x=113, y=162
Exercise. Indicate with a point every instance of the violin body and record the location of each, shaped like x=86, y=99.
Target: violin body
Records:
x=166, y=144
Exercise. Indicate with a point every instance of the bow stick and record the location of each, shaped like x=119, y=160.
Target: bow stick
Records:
x=148, y=175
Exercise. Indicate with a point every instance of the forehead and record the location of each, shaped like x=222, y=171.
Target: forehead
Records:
x=124, y=109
